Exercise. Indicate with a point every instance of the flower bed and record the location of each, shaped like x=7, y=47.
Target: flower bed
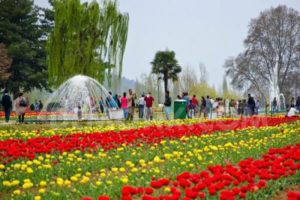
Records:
x=17, y=148
x=155, y=161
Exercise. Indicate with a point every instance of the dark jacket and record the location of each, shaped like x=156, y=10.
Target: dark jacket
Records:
x=298, y=102
x=6, y=102
x=251, y=102
x=168, y=101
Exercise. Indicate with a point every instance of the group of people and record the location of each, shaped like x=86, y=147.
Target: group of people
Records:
x=144, y=103
x=207, y=107
x=37, y=106
x=224, y=107
x=20, y=104
x=293, y=107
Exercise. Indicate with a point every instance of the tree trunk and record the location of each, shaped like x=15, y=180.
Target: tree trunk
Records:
x=166, y=83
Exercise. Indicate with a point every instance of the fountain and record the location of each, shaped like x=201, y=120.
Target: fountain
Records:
x=80, y=98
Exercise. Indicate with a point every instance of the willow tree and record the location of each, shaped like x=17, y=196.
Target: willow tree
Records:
x=88, y=38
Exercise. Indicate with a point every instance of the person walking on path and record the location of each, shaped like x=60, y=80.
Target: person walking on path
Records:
x=20, y=105
x=131, y=104
x=124, y=105
x=168, y=103
x=7, y=105
x=141, y=104
x=149, y=103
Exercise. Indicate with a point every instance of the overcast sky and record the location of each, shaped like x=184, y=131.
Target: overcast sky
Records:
x=207, y=31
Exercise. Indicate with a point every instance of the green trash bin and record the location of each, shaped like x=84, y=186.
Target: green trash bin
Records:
x=179, y=109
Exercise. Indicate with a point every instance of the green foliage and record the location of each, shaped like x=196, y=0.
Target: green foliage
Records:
x=24, y=37
x=87, y=39
x=165, y=64
x=203, y=89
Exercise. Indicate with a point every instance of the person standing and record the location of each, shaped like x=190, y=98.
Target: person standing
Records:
x=124, y=105
x=168, y=103
x=185, y=96
x=149, y=102
x=298, y=103
x=227, y=107
x=131, y=104
x=7, y=105
x=20, y=105
x=36, y=106
x=141, y=104
x=257, y=105
x=101, y=105
x=240, y=107
x=79, y=113
x=208, y=107
x=41, y=105
x=251, y=104
x=195, y=104
x=274, y=106
x=231, y=108
x=292, y=101
x=117, y=100
x=203, y=105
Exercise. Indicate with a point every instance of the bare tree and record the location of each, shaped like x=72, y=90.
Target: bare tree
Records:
x=271, y=55
x=188, y=79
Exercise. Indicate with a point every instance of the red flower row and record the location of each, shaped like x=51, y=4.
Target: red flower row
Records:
x=228, y=182
x=17, y=148
x=30, y=113
x=293, y=195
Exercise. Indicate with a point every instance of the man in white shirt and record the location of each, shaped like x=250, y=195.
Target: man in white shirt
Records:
x=141, y=104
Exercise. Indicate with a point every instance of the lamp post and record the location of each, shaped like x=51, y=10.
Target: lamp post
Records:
x=158, y=81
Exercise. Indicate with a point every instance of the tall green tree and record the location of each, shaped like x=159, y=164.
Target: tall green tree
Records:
x=166, y=65
x=87, y=39
x=25, y=39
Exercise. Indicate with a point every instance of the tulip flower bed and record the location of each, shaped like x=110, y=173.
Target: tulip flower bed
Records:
x=212, y=159
x=29, y=115
x=291, y=195
x=17, y=148
x=92, y=127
